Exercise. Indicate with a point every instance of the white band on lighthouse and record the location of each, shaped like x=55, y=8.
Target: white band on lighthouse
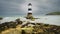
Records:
x=29, y=6
x=29, y=11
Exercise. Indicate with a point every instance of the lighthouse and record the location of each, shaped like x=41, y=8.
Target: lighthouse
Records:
x=29, y=8
x=29, y=14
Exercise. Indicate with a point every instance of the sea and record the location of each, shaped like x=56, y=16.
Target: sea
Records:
x=47, y=19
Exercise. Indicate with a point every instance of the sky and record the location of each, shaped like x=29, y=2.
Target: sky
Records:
x=20, y=7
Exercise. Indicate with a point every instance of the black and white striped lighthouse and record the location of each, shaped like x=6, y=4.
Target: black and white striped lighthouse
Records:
x=29, y=15
x=29, y=8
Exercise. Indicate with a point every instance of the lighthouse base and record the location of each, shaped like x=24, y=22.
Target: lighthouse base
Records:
x=29, y=16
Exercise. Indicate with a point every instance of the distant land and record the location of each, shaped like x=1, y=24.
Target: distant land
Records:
x=53, y=13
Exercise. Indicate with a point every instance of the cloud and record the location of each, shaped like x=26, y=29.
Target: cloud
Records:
x=10, y=7
x=19, y=7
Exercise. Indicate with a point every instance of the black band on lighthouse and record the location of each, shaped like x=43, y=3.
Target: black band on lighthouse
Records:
x=29, y=9
x=29, y=4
